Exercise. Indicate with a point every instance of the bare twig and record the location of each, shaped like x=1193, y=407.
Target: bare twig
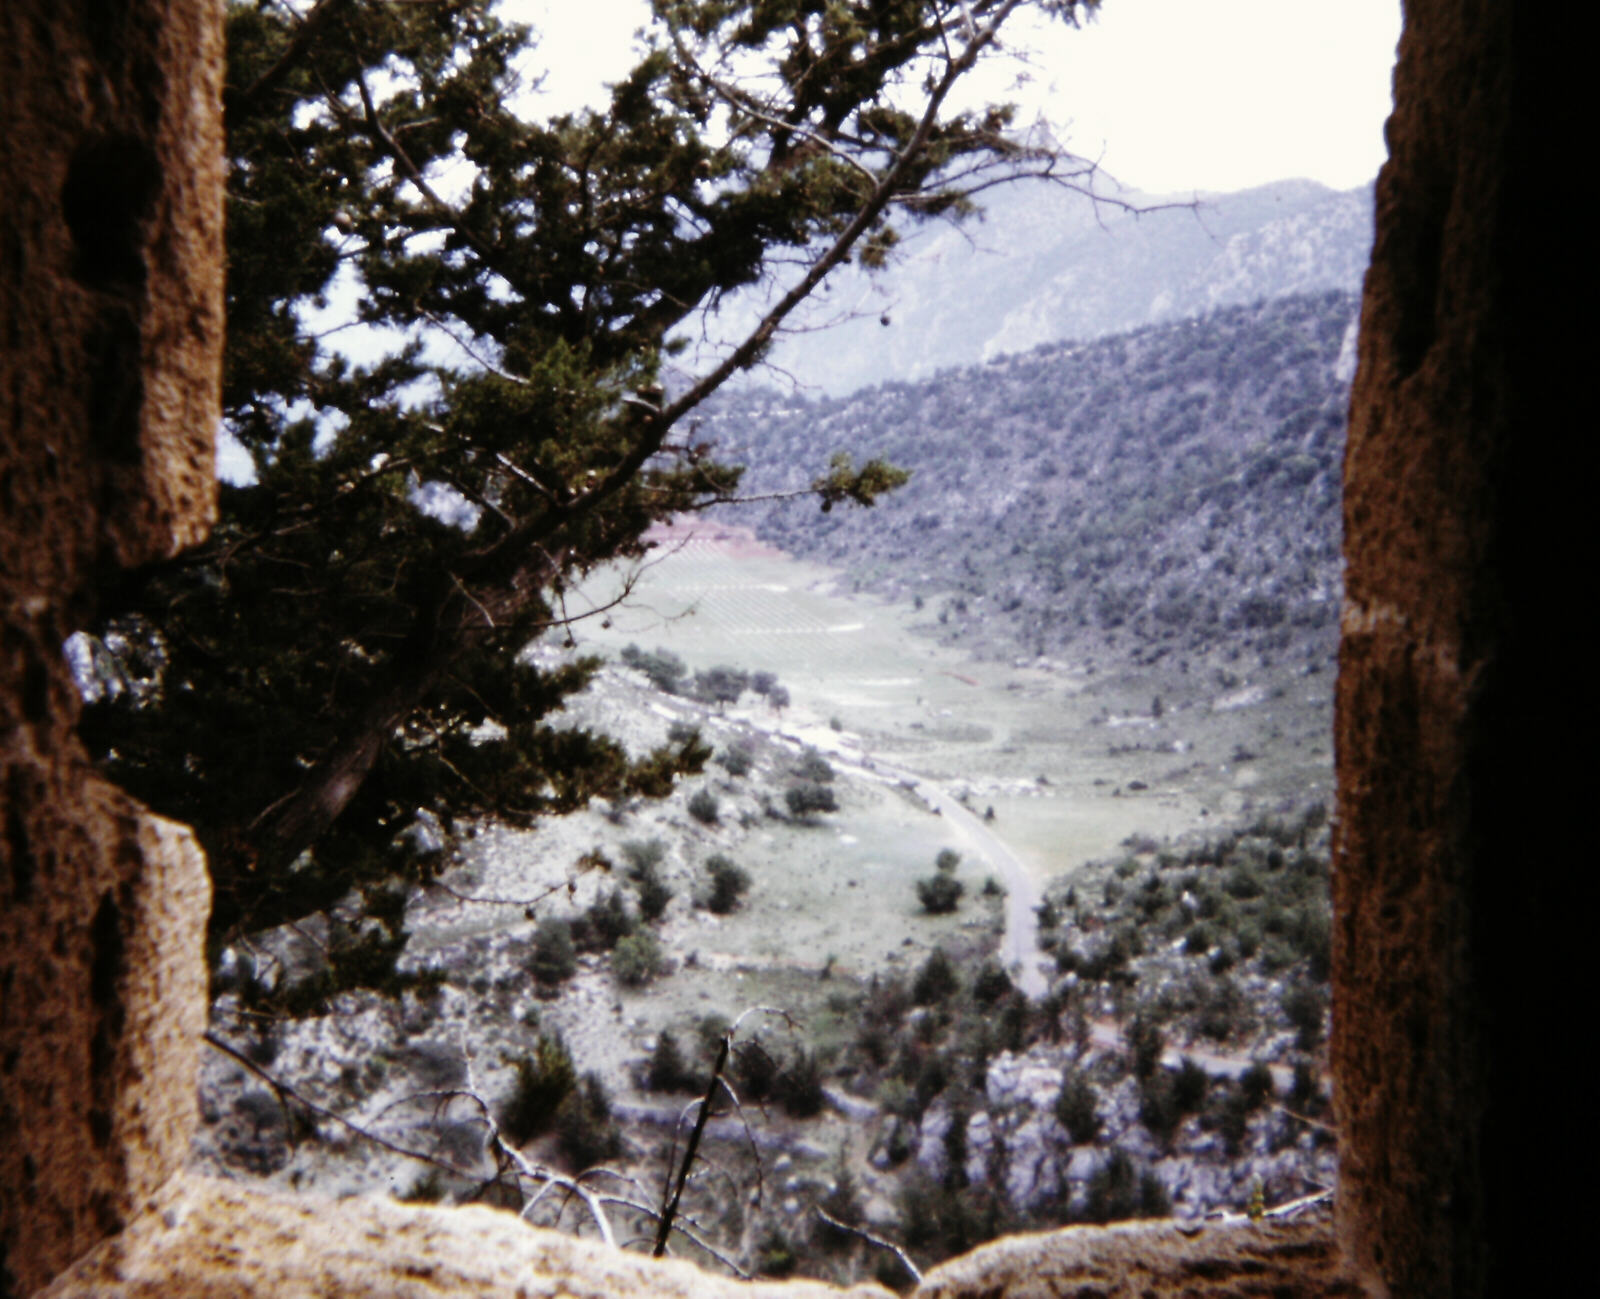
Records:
x=693, y=1232
x=1308, y=1121
x=509, y=1156
x=746, y=104
x=669, y=1209
x=487, y=364
x=517, y=471
x=472, y=599
x=1292, y=1207
x=284, y=1089
x=489, y=901
x=1285, y=1210
x=905, y=1261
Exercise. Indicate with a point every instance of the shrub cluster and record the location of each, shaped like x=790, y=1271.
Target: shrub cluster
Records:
x=554, y=958
x=804, y=801
x=729, y=883
x=814, y=768
x=1232, y=1115
x=664, y=668
x=703, y=806
x=1253, y=900
x=644, y=858
x=586, y=1132
x=940, y=893
x=736, y=761
x=637, y=959
x=668, y=1070
x=936, y=981
x=543, y=1081
x=1077, y=1108
x=607, y=921
x=939, y=1220
x=991, y=983
x=1168, y=1096
x=1305, y=1006
x=719, y=685
x=1118, y=1190
x=766, y=685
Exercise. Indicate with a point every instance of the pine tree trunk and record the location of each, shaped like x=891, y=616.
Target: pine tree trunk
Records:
x=266, y=848
x=296, y=823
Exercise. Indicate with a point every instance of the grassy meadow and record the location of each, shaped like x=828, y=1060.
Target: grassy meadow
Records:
x=1068, y=755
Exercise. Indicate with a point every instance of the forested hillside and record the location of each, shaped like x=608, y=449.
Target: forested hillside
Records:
x=1174, y=488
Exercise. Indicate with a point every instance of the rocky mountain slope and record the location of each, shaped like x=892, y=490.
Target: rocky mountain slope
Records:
x=1172, y=1069
x=1044, y=263
x=1171, y=489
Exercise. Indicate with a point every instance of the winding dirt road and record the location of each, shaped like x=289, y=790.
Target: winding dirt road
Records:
x=1019, y=953
x=1028, y=966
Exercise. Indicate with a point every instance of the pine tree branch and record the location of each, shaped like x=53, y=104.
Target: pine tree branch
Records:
x=655, y=423
x=382, y=136
x=870, y=211
x=238, y=104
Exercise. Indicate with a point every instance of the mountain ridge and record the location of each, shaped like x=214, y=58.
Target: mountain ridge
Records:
x=1043, y=264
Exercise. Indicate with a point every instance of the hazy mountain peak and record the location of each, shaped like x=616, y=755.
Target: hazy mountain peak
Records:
x=1045, y=263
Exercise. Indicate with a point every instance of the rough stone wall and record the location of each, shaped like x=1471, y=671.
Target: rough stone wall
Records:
x=1454, y=881
x=110, y=297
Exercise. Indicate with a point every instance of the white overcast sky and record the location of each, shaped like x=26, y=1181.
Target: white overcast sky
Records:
x=1169, y=94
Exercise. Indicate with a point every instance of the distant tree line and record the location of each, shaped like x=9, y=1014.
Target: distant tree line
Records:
x=720, y=685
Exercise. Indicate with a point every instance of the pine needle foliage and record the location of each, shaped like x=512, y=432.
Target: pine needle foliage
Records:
x=347, y=649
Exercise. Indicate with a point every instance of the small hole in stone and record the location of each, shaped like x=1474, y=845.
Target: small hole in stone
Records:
x=111, y=187
x=105, y=937
x=35, y=692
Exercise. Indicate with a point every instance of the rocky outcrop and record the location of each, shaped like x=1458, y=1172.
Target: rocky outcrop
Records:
x=1135, y=1260
x=212, y=1240
x=207, y=1239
